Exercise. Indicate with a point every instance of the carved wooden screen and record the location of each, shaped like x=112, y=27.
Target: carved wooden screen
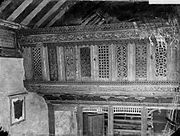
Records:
x=70, y=62
x=121, y=61
x=161, y=59
x=37, y=63
x=103, y=57
x=52, y=57
x=85, y=62
x=141, y=60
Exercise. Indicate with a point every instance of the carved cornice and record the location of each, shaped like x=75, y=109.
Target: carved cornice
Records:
x=142, y=89
x=108, y=32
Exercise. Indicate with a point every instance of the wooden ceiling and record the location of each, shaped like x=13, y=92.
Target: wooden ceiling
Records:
x=54, y=13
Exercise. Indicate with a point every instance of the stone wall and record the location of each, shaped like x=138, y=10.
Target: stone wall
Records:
x=11, y=82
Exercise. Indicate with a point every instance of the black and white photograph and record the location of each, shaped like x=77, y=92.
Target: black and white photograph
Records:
x=90, y=68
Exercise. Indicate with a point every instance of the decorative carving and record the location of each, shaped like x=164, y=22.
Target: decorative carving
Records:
x=161, y=59
x=141, y=60
x=70, y=62
x=121, y=61
x=103, y=57
x=85, y=60
x=52, y=57
x=36, y=60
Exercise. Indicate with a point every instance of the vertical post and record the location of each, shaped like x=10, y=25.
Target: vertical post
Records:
x=94, y=62
x=110, y=120
x=113, y=62
x=27, y=63
x=149, y=62
x=80, y=120
x=144, y=114
x=45, y=64
x=51, y=120
x=78, y=65
x=131, y=62
x=169, y=62
x=60, y=63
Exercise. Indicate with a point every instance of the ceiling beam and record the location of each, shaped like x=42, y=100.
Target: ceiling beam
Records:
x=19, y=10
x=50, y=12
x=60, y=14
x=35, y=12
x=4, y=5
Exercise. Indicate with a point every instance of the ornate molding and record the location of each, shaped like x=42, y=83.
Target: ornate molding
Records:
x=103, y=33
x=106, y=89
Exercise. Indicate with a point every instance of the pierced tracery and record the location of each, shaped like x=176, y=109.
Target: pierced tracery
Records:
x=121, y=61
x=37, y=64
x=70, y=62
x=141, y=60
x=161, y=59
x=85, y=60
x=103, y=55
x=52, y=57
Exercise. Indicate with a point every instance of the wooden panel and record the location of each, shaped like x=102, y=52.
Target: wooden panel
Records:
x=60, y=62
x=45, y=65
x=19, y=10
x=131, y=62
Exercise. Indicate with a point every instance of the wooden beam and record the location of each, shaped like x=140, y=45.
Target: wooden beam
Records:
x=59, y=15
x=110, y=120
x=4, y=5
x=144, y=114
x=19, y=10
x=50, y=12
x=80, y=120
x=35, y=12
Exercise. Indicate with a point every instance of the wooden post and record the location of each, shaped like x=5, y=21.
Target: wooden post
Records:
x=51, y=120
x=131, y=62
x=80, y=120
x=144, y=114
x=94, y=62
x=169, y=62
x=45, y=65
x=113, y=62
x=78, y=65
x=27, y=63
x=149, y=62
x=110, y=120
x=60, y=63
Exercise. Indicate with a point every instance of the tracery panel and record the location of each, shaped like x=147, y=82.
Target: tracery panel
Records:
x=70, y=62
x=103, y=57
x=85, y=62
x=37, y=63
x=121, y=61
x=161, y=59
x=52, y=57
x=141, y=60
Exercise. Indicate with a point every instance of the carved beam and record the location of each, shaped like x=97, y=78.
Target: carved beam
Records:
x=19, y=10
x=50, y=12
x=11, y=24
x=35, y=12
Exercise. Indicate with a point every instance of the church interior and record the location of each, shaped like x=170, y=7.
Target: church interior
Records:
x=89, y=68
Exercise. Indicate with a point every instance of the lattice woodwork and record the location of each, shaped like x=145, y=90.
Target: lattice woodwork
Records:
x=141, y=61
x=121, y=61
x=161, y=59
x=103, y=55
x=85, y=61
x=37, y=63
x=70, y=62
x=123, y=109
x=53, y=68
x=96, y=109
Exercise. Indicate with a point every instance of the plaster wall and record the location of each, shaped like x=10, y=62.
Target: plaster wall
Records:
x=11, y=82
